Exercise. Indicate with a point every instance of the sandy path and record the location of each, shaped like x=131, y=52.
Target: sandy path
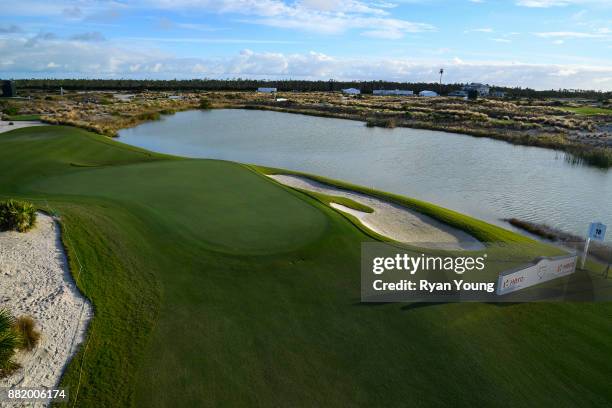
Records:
x=35, y=280
x=5, y=127
x=391, y=220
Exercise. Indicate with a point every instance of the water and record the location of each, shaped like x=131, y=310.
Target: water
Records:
x=485, y=178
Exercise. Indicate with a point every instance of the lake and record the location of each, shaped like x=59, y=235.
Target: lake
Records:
x=485, y=178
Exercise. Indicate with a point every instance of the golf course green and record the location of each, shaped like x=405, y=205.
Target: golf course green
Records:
x=215, y=286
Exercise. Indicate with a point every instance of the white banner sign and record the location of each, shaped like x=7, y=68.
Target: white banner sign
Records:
x=544, y=270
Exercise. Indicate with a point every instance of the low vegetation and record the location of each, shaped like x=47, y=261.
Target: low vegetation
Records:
x=10, y=341
x=15, y=334
x=25, y=326
x=17, y=215
x=601, y=251
x=589, y=110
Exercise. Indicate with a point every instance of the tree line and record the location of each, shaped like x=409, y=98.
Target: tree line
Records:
x=239, y=84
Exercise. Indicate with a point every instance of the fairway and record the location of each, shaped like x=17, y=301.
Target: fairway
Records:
x=213, y=286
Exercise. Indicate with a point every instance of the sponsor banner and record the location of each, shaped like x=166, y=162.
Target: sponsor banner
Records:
x=543, y=270
x=495, y=272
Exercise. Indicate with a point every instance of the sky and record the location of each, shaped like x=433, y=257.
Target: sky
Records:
x=541, y=44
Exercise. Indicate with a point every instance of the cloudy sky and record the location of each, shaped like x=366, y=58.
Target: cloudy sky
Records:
x=541, y=44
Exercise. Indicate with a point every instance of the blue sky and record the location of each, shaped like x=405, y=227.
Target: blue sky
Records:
x=535, y=43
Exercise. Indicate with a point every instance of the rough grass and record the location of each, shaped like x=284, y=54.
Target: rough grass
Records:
x=213, y=286
x=588, y=110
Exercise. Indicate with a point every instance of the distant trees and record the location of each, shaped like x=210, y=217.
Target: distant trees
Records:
x=286, y=85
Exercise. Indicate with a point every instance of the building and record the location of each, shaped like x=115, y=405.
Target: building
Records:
x=483, y=90
x=8, y=89
x=351, y=91
x=459, y=94
x=398, y=92
x=267, y=90
x=498, y=94
x=428, y=93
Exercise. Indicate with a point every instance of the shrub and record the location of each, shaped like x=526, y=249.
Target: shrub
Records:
x=9, y=342
x=10, y=110
x=205, y=104
x=388, y=123
x=24, y=325
x=17, y=215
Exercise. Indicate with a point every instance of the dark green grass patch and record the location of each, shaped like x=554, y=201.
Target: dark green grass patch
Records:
x=17, y=118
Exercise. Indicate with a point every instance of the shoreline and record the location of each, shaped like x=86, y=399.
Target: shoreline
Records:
x=580, y=153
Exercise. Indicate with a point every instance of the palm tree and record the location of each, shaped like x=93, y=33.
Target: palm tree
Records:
x=10, y=340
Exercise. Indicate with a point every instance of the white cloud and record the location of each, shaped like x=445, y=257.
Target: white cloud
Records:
x=560, y=3
x=371, y=17
x=66, y=58
x=569, y=34
x=479, y=30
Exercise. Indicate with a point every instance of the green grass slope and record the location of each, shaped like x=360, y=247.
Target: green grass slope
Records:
x=213, y=286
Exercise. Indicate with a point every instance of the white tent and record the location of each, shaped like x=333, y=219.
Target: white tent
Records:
x=351, y=91
x=397, y=92
x=428, y=93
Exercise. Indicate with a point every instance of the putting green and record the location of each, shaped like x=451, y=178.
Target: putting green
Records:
x=213, y=286
x=215, y=203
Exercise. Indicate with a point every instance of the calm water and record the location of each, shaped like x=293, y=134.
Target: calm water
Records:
x=485, y=178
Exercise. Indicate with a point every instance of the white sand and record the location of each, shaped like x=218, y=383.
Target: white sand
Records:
x=391, y=220
x=5, y=127
x=35, y=280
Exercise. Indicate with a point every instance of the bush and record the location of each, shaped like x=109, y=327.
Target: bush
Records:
x=24, y=325
x=9, y=342
x=10, y=110
x=205, y=104
x=17, y=215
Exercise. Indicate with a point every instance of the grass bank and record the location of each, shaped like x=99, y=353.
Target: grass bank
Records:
x=213, y=286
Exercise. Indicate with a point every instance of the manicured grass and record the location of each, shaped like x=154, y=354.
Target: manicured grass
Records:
x=16, y=118
x=588, y=110
x=213, y=286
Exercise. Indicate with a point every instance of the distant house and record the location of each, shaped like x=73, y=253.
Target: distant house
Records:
x=267, y=90
x=428, y=93
x=459, y=94
x=398, y=92
x=498, y=94
x=351, y=91
x=8, y=89
x=483, y=90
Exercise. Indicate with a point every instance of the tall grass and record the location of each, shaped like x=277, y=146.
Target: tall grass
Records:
x=24, y=325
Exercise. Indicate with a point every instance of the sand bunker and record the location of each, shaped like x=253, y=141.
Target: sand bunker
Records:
x=35, y=280
x=391, y=220
x=5, y=127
